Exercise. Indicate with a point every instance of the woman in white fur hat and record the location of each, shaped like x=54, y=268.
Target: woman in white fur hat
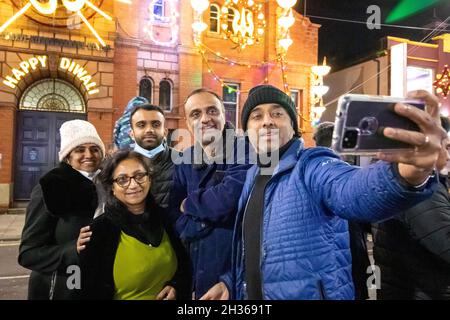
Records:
x=64, y=201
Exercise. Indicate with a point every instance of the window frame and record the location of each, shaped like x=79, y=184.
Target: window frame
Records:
x=170, y=94
x=152, y=87
x=237, y=87
x=217, y=18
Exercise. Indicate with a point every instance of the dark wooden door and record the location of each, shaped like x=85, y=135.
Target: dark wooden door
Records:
x=38, y=143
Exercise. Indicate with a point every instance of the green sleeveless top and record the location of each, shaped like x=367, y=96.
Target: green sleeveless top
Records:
x=140, y=271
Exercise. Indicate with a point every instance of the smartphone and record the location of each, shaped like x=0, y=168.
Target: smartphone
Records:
x=360, y=120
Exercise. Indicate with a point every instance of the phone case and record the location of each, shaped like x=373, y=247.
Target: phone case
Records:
x=360, y=120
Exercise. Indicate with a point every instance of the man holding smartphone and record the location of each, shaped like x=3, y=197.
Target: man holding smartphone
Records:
x=291, y=232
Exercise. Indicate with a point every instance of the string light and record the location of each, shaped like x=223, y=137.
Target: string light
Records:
x=216, y=77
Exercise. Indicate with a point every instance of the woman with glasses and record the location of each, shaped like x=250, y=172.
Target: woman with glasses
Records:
x=129, y=251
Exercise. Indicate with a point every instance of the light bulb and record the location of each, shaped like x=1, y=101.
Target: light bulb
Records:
x=286, y=4
x=285, y=43
x=200, y=5
x=199, y=26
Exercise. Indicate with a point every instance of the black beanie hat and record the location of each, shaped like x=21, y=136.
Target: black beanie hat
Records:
x=269, y=94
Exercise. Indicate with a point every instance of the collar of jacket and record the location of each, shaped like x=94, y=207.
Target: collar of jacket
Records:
x=66, y=190
x=287, y=161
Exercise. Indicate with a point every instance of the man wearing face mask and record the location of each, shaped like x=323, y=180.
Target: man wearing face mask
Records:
x=148, y=130
x=412, y=250
x=291, y=235
x=206, y=188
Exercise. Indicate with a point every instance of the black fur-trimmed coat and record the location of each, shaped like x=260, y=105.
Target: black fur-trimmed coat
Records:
x=61, y=204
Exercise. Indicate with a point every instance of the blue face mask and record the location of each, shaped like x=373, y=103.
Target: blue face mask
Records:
x=149, y=153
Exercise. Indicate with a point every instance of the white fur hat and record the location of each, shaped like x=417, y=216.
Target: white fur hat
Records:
x=75, y=133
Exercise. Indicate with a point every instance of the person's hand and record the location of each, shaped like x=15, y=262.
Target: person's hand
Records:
x=416, y=165
x=218, y=292
x=83, y=238
x=182, y=206
x=167, y=293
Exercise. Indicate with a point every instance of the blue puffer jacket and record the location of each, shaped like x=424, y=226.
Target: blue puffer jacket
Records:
x=206, y=227
x=305, y=243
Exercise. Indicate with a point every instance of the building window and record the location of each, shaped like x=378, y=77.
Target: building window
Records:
x=231, y=102
x=158, y=10
x=295, y=97
x=52, y=95
x=146, y=89
x=231, y=14
x=165, y=94
x=214, y=14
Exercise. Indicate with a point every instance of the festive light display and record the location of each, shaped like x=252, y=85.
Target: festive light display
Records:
x=170, y=20
x=66, y=64
x=284, y=22
x=50, y=7
x=442, y=83
x=318, y=90
x=408, y=8
x=242, y=22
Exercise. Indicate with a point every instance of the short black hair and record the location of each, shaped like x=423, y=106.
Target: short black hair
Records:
x=147, y=107
x=105, y=177
x=324, y=134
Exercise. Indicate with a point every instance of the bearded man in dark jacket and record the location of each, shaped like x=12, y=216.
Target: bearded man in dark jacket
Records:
x=149, y=132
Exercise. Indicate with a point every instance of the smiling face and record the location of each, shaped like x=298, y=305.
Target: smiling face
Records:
x=147, y=128
x=134, y=191
x=205, y=117
x=269, y=127
x=85, y=157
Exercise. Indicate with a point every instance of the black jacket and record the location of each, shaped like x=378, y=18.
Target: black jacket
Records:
x=413, y=251
x=162, y=176
x=97, y=260
x=63, y=202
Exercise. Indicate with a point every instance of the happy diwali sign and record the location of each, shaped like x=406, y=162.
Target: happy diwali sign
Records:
x=66, y=64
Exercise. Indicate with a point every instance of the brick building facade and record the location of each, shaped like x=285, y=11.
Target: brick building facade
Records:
x=157, y=59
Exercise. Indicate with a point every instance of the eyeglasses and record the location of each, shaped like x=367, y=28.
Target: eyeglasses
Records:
x=124, y=180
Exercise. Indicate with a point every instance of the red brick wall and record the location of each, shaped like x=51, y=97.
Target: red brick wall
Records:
x=125, y=69
x=7, y=134
x=103, y=122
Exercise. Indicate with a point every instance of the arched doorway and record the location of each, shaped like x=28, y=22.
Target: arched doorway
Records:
x=43, y=107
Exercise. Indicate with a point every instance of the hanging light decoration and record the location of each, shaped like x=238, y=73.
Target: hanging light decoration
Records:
x=198, y=26
x=318, y=90
x=285, y=20
x=442, y=83
x=243, y=22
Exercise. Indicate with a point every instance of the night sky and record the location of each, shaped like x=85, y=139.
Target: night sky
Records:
x=345, y=43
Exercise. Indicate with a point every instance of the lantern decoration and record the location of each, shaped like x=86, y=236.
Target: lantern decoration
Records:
x=198, y=26
x=285, y=20
x=442, y=83
x=169, y=19
x=242, y=22
x=318, y=90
